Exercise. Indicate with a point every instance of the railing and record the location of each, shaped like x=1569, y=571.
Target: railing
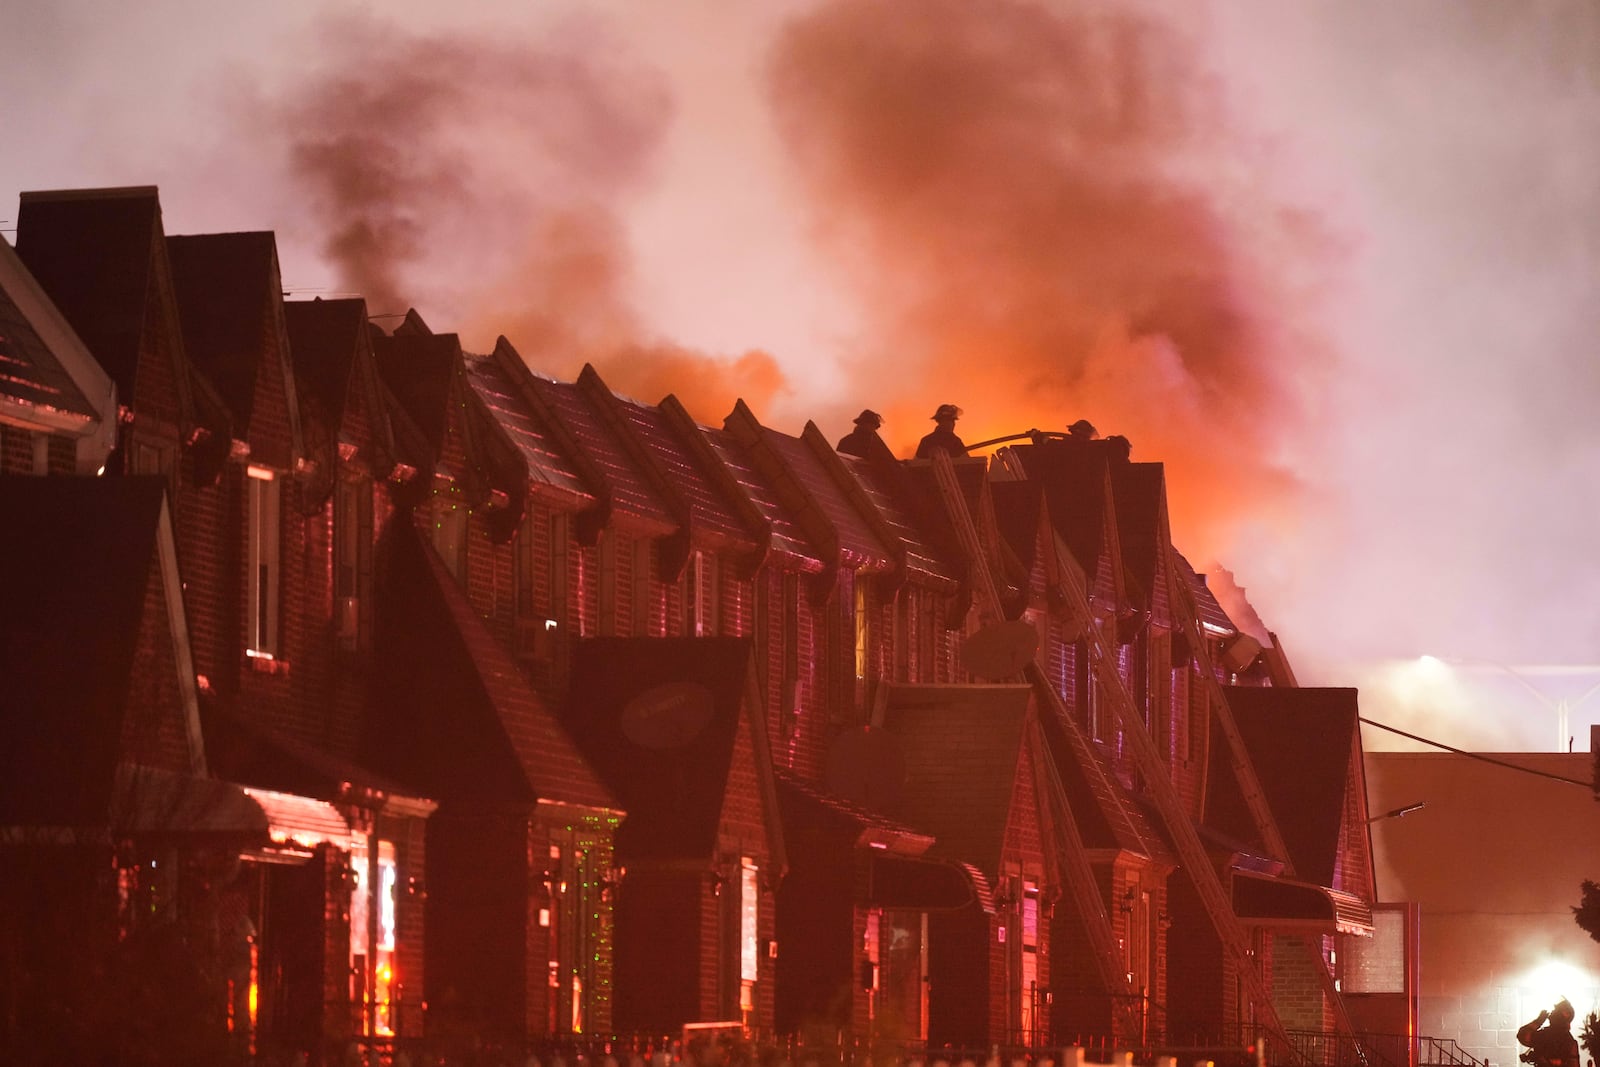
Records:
x=1234, y=1048
x=1328, y=1048
x=1444, y=1052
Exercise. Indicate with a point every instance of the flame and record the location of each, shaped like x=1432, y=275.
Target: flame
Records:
x=1019, y=193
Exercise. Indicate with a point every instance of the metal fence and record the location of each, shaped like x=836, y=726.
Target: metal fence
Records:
x=1304, y=1048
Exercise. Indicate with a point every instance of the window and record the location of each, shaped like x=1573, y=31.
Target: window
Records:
x=525, y=569
x=1138, y=946
x=147, y=457
x=606, y=584
x=560, y=547
x=1088, y=690
x=863, y=629
x=262, y=595
x=694, y=604
x=749, y=935
x=1376, y=964
x=1032, y=1017
x=352, y=546
x=648, y=616
x=700, y=595
x=790, y=621
x=372, y=961
x=450, y=531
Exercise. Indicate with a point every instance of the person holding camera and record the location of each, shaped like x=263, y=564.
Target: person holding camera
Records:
x=1549, y=1038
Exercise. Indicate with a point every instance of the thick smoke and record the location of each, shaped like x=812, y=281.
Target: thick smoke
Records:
x=1023, y=196
x=480, y=180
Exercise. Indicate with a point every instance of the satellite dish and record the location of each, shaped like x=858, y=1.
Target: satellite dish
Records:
x=866, y=767
x=1000, y=650
x=669, y=715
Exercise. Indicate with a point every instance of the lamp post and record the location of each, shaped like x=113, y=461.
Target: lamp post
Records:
x=1398, y=813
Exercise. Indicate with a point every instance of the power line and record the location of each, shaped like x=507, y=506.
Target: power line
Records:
x=1477, y=755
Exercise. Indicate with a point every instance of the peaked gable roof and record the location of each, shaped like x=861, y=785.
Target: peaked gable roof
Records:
x=336, y=382
x=1301, y=742
x=452, y=716
x=504, y=383
x=674, y=791
x=1209, y=610
x=95, y=252
x=52, y=380
x=790, y=547
x=1018, y=511
x=888, y=491
x=713, y=517
x=77, y=557
x=631, y=493
x=416, y=369
x=1140, y=492
x=226, y=286
x=1074, y=478
x=101, y=254
x=962, y=748
x=925, y=500
x=809, y=484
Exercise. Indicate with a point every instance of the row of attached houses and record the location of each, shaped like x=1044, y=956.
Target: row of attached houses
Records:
x=438, y=698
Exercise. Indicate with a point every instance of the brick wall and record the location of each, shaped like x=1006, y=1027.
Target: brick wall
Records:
x=1296, y=989
x=411, y=895
x=16, y=450
x=478, y=896
x=154, y=726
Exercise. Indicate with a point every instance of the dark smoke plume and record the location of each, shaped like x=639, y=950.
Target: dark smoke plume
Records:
x=1023, y=195
x=479, y=180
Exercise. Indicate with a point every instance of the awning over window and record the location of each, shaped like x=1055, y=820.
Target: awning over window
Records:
x=922, y=884
x=1283, y=903
x=147, y=802
x=301, y=821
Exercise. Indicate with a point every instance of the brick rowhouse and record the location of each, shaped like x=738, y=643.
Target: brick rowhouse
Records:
x=691, y=723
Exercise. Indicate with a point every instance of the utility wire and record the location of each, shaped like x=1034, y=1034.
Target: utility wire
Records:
x=1477, y=755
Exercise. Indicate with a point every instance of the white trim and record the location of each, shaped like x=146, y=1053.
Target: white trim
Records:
x=178, y=624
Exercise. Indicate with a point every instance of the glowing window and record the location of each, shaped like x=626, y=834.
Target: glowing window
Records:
x=749, y=913
x=863, y=629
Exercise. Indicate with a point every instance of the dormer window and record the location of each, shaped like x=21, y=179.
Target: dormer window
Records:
x=262, y=514
x=450, y=531
x=699, y=595
x=352, y=540
x=863, y=621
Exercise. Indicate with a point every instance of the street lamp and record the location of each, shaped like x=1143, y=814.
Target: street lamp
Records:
x=1563, y=707
x=1398, y=813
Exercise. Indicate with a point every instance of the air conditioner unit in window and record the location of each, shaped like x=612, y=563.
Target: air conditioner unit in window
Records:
x=349, y=620
x=534, y=640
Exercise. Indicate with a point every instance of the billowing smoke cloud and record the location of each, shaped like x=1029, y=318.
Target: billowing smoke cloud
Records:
x=1024, y=195
x=480, y=179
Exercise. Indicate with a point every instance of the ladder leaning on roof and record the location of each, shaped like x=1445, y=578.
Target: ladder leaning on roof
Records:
x=1191, y=852
x=1244, y=772
x=1075, y=866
